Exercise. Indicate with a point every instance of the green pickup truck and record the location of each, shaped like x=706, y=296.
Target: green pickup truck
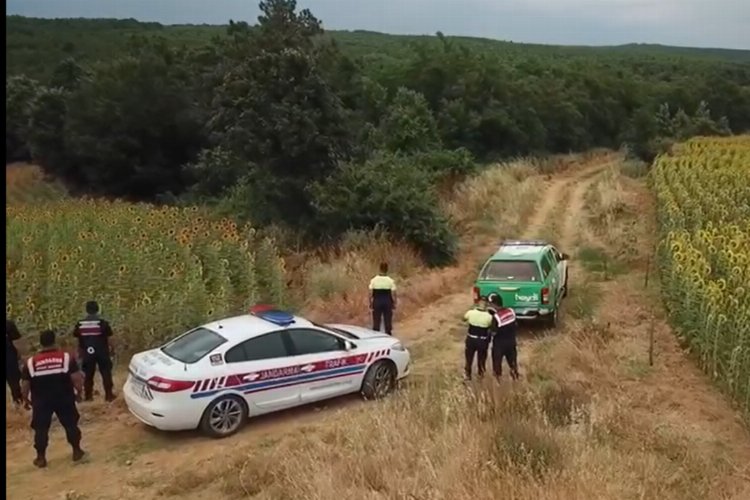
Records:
x=531, y=277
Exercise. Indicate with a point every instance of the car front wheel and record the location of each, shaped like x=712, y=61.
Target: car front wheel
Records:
x=380, y=380
x=224, y=416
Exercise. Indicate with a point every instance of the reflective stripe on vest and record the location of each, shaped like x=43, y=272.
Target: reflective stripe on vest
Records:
x=90, y=328
x=505, y=317
x=48, y=363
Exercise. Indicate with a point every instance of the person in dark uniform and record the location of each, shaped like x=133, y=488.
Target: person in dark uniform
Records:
x=383, y=299
x=505, y=327
x=12, y=373
x=95, y=347
x=477, y=337
x=52, y=379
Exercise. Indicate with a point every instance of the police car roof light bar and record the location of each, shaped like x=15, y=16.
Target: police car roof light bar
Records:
x=272, y=315
x=261, y=307
x=533, y=243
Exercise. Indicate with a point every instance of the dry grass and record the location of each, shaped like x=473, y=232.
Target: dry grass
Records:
x=496, y=200
x=572, y=437
x=27, y=184
x=614, y=219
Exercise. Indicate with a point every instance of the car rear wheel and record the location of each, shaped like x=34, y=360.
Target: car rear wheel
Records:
x=380, y=380
x=224, y=416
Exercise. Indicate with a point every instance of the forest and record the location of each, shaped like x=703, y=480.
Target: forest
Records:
x=283, y=123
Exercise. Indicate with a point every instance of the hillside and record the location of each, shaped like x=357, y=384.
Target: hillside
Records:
x=34, y=46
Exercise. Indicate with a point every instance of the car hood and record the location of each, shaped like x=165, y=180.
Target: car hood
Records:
x=362, y=333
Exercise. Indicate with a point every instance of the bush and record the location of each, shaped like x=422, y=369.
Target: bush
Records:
x=447, y=163
x=389, y=192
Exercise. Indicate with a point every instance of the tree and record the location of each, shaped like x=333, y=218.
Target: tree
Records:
x=47, y=133
x=129, y=128
x=409, y=125
x=390, y=192
x=67, y=75
x=20, y=93
x=275, y=109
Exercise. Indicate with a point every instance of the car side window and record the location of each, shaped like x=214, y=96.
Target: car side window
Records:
x=308, y=341
x=268, y=346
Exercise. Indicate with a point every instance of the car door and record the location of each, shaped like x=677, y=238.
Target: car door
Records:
x=550, y=275
x=562, y=268
x=263, y=370
x=331, y=369
x=553, y=279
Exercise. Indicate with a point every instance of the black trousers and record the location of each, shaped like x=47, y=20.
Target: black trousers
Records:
x=382, y=312
x=508, y=351
x=13, y=378
x=478, y=347
x=41, y=419
x=89, y=365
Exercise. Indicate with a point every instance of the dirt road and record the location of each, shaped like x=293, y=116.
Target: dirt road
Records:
x=128, y=460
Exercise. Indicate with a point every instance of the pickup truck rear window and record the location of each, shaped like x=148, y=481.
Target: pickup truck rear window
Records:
x=193, y=346
x=510, y=270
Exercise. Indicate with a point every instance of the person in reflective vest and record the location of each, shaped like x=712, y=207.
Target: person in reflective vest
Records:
x=12, y=373
x=51, y=384
x=382, y=299
x=504, y=344
x=95, y=346
x=477, y=337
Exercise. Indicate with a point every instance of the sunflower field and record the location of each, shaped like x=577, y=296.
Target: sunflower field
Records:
x=703, y=196
x=155, y=271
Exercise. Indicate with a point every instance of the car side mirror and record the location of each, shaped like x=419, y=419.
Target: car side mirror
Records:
x=564, y=256
x=349, y=346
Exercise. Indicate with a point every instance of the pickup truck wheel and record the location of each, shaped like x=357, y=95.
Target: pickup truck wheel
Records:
x=553, y=320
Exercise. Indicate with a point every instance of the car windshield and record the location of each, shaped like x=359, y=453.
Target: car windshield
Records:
x=510, y=270
x=194, y=345
x=336, y=330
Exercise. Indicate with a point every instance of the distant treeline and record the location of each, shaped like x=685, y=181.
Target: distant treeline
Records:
x=282, y=123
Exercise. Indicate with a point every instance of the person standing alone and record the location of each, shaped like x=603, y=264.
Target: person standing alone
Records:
x=95, y=346
x=52, y=380
x=382, y=299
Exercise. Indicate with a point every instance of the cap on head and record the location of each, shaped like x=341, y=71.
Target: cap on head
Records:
x=47, y=338
x=496, y=300
x=92, y=307
x=384, y=267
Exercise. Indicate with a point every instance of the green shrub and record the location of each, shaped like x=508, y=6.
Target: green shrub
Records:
x=389, y=192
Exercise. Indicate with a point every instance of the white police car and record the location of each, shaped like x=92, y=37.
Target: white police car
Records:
x=216, y=376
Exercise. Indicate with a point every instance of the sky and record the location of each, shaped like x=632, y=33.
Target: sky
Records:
x=694, y=23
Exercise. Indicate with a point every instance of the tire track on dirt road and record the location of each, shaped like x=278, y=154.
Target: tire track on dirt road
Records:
x=124, y=451
x=445, y=315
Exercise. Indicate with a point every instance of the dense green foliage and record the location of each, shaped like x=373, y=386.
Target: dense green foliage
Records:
x=284, y=123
